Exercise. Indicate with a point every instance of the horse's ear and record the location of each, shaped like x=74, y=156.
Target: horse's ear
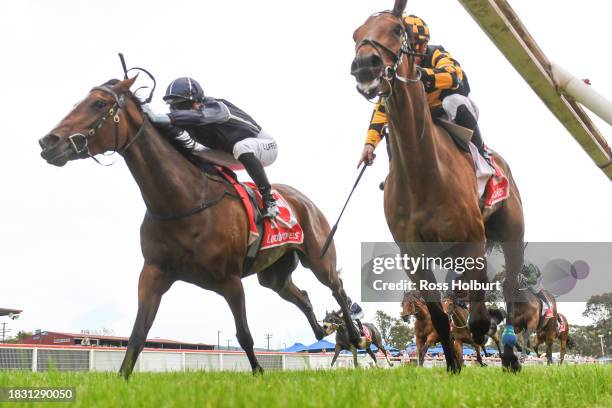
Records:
x=124, y=86
x=398, y=8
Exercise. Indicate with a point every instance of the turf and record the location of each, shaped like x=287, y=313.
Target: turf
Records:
x=567, y=386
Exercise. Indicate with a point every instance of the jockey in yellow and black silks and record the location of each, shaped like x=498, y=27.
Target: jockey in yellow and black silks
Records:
x=446, y=86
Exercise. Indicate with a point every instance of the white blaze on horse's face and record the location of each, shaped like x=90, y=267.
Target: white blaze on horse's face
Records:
x=328, y=328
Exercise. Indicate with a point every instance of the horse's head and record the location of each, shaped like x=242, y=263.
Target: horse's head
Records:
x=94, y=125
x=380, y=43
x=331, y=322
x=409, y=305
x=448, y=305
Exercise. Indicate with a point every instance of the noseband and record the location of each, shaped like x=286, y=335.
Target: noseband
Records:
x=80, y=142
x=389, y=72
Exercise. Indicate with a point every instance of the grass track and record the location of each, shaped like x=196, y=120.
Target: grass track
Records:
x=567, y=386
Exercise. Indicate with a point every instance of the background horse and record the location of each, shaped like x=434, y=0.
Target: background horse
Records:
x=424, y=332
x=430, y=192
x=195, y=229
x=460, y=331
x=527, y=318
x=334, y=322
x=546, y=335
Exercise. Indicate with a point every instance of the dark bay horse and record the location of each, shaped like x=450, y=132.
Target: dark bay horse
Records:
x=548, y=332
x=333, y=322
x=430, y=193
x=195, y=229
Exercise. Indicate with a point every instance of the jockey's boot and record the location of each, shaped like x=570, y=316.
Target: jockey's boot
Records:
x=465, y=118
x=257, y=173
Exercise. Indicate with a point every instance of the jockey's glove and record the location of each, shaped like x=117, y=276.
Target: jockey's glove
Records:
x=156, y=118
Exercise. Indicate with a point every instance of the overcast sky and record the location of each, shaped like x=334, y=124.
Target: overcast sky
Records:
x=69, y=243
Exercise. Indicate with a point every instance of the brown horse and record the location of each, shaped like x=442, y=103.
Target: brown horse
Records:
x=527, y=318
x=548, y=333
x=460, y=331
x=430, y=192
x=194, y=230
x=333, y=322
x=424, y=331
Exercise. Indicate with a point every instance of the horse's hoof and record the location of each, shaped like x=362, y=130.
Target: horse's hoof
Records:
x=453, y=368
x=258, y=370
x=509, y=337
x=510, y=363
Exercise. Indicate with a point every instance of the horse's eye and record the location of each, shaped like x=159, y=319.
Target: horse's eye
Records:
x=397, y=30
x=100, y=103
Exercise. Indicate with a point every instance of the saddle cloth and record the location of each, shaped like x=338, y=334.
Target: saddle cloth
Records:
x=282, y=230
x=367, y=333
x=492, y=184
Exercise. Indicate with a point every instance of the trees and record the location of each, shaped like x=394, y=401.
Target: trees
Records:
x=394, y=331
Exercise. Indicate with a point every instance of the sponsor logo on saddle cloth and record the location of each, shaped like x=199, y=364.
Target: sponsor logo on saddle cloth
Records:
x=367, y=333
x=492, y=183
x=282, y=230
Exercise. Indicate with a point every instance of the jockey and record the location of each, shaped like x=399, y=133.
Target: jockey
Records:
x=356, y=313
x=446, y=86
x=218, y=124
x=531, y=278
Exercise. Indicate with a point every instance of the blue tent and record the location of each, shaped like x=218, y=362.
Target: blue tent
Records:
x=297, y=347
x=435, y=350
x=388, y=347
x=320, y=346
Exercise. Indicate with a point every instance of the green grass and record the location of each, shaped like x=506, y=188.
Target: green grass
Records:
x=567, y=386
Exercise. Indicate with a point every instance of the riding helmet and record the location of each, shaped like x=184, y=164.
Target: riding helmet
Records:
x=416, y=28
x=183, y=89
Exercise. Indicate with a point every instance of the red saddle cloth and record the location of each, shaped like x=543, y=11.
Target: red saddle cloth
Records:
x=282, y=230
x=497, y=188
x=367, y=333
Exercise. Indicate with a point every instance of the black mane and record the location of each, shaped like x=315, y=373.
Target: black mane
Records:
x=184, y=145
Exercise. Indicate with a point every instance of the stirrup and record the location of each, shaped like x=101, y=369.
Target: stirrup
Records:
x=270, y=209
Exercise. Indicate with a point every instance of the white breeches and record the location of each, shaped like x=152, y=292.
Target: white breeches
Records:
x=452, y=102
x=263, y=147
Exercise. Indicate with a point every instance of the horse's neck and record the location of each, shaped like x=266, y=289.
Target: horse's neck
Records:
x=414, y=162
x=168, y=182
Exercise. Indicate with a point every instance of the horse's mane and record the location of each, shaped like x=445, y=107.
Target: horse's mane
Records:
x=184, y=145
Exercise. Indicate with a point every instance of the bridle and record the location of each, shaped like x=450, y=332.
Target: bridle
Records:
x=80, y=142
x=389, y=72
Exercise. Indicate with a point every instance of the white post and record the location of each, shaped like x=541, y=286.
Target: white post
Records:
x=283, y=363
x=220, y=361
x=183, y=362
x=582, y=93
x=34, y=359
x=91, y=360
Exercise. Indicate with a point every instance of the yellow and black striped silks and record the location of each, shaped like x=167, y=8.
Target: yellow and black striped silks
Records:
x=441, y=75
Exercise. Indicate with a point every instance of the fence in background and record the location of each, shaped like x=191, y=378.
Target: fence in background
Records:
x=79, y=358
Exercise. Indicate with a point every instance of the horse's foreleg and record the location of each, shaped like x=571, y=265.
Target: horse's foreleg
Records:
x=514, y=257
x=233, y=292
x=152, y=284
x=477, y=347
x=336, y=354
x=354, y=351
x=563, y=348
x=440, y=323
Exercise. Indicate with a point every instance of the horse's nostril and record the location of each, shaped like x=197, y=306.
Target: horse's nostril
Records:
x=48, y=141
